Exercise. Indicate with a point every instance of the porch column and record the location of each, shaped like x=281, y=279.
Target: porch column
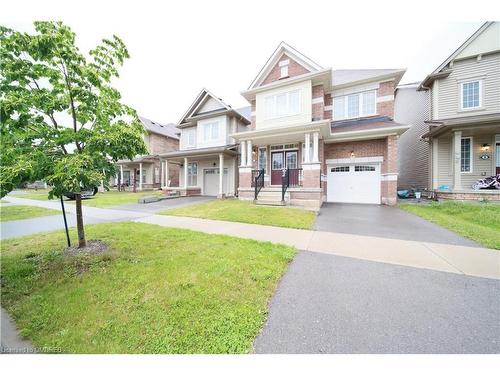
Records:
x=457, y=176
x=121, y=178
x=185, y=173
x=162, y=174
x=165, y=172
x=315, y=147
x=243, y=146
x=140, y=176
x=221, y=175
x=249, y=153
x=307, y=142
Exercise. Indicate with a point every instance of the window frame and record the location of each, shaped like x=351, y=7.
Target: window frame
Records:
x=471, y=155
x=361, y=104
x=480, y=92
x=272, y=112
x=190, y=175
x=208, y=128
x=187, y=133
x=259, y=158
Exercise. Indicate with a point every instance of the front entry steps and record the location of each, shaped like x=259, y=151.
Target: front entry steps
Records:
x=272, y=197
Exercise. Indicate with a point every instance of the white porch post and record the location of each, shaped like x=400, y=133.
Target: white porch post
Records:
x=307, y=152
x=121, y=176
x=140, y=176
x=243, y=153
x=165, y=173
x=249, y=153
x=435, y=163
x=315, y=147
x=162, y=174
x=221, y=174
x=457, y=176
x=185, y=173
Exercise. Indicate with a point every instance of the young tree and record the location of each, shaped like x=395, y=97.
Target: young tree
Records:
x=60, y=118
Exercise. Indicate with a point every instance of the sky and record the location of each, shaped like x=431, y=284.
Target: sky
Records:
x=179, y=47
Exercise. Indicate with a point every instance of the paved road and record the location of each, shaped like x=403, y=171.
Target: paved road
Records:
x=384, y=221
x=331, y=304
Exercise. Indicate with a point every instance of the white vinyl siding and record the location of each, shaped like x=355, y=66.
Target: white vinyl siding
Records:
x=355, y=105
x=449, y=89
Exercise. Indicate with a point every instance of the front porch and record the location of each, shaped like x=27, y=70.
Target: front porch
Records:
x=282, y=166
x=141, y=173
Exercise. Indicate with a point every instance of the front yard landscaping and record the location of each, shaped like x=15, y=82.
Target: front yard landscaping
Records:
x=105, y=199
x=477, y=221
x=247, y=212
x=20, y=212
x=157, y=290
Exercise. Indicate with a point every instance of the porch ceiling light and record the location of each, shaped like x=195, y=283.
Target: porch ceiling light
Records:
x=352, y=154
x=485, y=147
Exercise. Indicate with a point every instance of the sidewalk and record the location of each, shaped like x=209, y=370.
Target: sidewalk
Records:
x=465, y=260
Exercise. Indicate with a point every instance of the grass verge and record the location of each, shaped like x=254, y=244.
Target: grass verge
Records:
x=157, y=290
x=477, y=221
x=247, y=212
x=20, y=212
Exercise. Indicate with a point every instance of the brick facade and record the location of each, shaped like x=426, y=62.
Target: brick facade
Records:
x=159, y=144
x=328, y=101
x=294, y=69
x=386, y=108
x=318, y=102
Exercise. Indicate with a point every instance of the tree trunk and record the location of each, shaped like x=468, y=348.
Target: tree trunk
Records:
x=79, y=221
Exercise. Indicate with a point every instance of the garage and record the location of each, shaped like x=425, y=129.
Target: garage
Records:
x=354, y=183
x=211, y=181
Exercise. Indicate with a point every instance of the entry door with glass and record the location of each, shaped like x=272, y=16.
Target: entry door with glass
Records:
x=281, y=160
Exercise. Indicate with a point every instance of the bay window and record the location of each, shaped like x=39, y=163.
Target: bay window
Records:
x=283, y=104
x=355, y=105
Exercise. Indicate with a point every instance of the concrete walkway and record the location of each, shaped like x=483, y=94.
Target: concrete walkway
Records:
x=465, y=260
x=10, y=341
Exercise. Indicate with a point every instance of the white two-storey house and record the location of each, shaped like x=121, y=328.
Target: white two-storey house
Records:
x=208, y=155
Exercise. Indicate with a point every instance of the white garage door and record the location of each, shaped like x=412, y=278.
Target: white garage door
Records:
x=211, y=181
x=359, y=183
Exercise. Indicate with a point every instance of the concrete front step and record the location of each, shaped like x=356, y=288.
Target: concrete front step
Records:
x=268, y=202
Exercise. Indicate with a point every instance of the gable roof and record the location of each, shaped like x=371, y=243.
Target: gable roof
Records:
x=346, y=76
x=283, y=48
x=168, y=130
x=440, y=71
x=203, y=97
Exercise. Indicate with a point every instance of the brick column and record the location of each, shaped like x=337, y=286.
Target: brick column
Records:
x=390, y=174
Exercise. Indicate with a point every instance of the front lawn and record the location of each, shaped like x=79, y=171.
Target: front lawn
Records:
x=158, y=290
x=19, y=212
x=247, y=212
x=477, y=221
x=105, y=199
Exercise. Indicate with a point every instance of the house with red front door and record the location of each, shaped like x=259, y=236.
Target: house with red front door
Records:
x=319, y=135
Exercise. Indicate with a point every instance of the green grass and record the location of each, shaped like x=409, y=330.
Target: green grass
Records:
x=19, y=212
x=477, y=221
x=105, y=199
x=159, y=290
x=247, y=212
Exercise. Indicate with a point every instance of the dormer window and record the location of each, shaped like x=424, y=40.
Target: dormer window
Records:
x=284, y=68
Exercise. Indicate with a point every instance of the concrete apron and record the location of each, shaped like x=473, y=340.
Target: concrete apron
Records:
x=466, y=260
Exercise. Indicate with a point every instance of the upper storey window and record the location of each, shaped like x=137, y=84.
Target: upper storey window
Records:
x=471, y=94
x=284, y=68
x=211, y=131
x=355, y=105
x=190, y=138
x=283, y=104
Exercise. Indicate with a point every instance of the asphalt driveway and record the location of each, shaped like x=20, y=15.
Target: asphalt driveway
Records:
x=331, y=304
x=383, y=221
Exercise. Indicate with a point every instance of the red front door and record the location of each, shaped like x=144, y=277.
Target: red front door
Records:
x=281, y=160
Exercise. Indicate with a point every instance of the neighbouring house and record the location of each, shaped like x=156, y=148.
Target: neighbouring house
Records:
x=208, y=153
x=464, y=127
x=318, y=134
x=412, y=107
x=145, y=172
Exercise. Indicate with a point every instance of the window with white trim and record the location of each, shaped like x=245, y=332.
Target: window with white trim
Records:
x=284, y=68
x=471, y=94
x=192, y=173
x=283, y=104
x=466, y=154
x=355, y=105
x=189, y=138
x=211, y=131
x=263, y=158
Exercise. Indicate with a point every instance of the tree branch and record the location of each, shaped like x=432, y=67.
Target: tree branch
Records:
x=72, y=104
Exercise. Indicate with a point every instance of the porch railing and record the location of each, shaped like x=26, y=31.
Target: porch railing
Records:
x=291, y=178
x=258, y=182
